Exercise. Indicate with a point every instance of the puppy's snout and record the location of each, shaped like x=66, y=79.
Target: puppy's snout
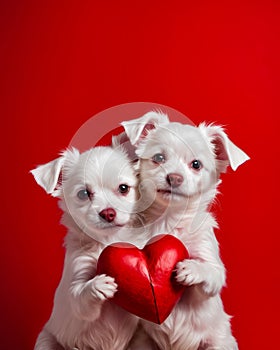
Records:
x=108, y=214
x=174, y=180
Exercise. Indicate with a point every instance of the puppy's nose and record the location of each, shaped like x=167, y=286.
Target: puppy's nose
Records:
x=108, y=214
x=174, y=180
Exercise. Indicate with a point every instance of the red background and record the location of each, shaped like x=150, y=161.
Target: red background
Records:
x=64, y=61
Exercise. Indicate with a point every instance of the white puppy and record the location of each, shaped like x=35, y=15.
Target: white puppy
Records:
x=180, y=166
x=97, y=192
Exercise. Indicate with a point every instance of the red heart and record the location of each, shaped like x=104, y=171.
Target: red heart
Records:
x=145, y=278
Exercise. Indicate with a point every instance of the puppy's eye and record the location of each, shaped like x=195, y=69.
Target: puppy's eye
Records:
x=196, y=164
x=158, y=158
x=124, y=189
x=84, y=194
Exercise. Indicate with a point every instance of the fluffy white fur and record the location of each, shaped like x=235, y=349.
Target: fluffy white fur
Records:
x=86, y=184
x=175, y=198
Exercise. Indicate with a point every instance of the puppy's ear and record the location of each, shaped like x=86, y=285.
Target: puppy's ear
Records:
x=137, y=129
x=227, y=153
x=123, y=141
x=49, y=176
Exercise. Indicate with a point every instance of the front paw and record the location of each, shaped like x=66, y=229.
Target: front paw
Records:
x=103, y=287
x=189, y=272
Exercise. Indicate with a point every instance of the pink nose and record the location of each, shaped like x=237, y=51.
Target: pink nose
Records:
x=108, y=214
x=174, y=180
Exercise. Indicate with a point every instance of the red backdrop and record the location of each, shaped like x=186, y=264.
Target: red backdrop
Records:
x=64, y=61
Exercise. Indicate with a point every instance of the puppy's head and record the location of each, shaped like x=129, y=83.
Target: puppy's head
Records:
x=179, y=162
x=97, y=189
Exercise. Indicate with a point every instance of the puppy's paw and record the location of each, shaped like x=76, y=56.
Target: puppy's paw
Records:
x=189, y=272
x=103, y=287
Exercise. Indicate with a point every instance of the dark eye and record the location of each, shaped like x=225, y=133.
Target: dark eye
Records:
x=84, y=194
x=159, y=158
x=123, y=189
x=196, y=164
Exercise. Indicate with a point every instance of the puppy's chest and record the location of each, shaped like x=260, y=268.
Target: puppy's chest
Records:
x=172, y=227
x=189, y=237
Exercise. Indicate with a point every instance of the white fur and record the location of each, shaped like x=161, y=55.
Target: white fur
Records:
x=82, y=317
x=198, y=321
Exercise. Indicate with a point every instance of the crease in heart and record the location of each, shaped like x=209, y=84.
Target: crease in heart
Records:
x=155, y=300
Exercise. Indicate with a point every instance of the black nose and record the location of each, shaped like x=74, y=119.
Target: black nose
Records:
x=108, y=214
x=174, y=180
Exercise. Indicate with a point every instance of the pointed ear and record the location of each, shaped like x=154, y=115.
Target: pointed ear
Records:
x=227, y=153
x=49, y=176
x=138, y=129
x=123, y=141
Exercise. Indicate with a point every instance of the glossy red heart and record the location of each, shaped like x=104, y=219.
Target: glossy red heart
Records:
x=145, y=277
